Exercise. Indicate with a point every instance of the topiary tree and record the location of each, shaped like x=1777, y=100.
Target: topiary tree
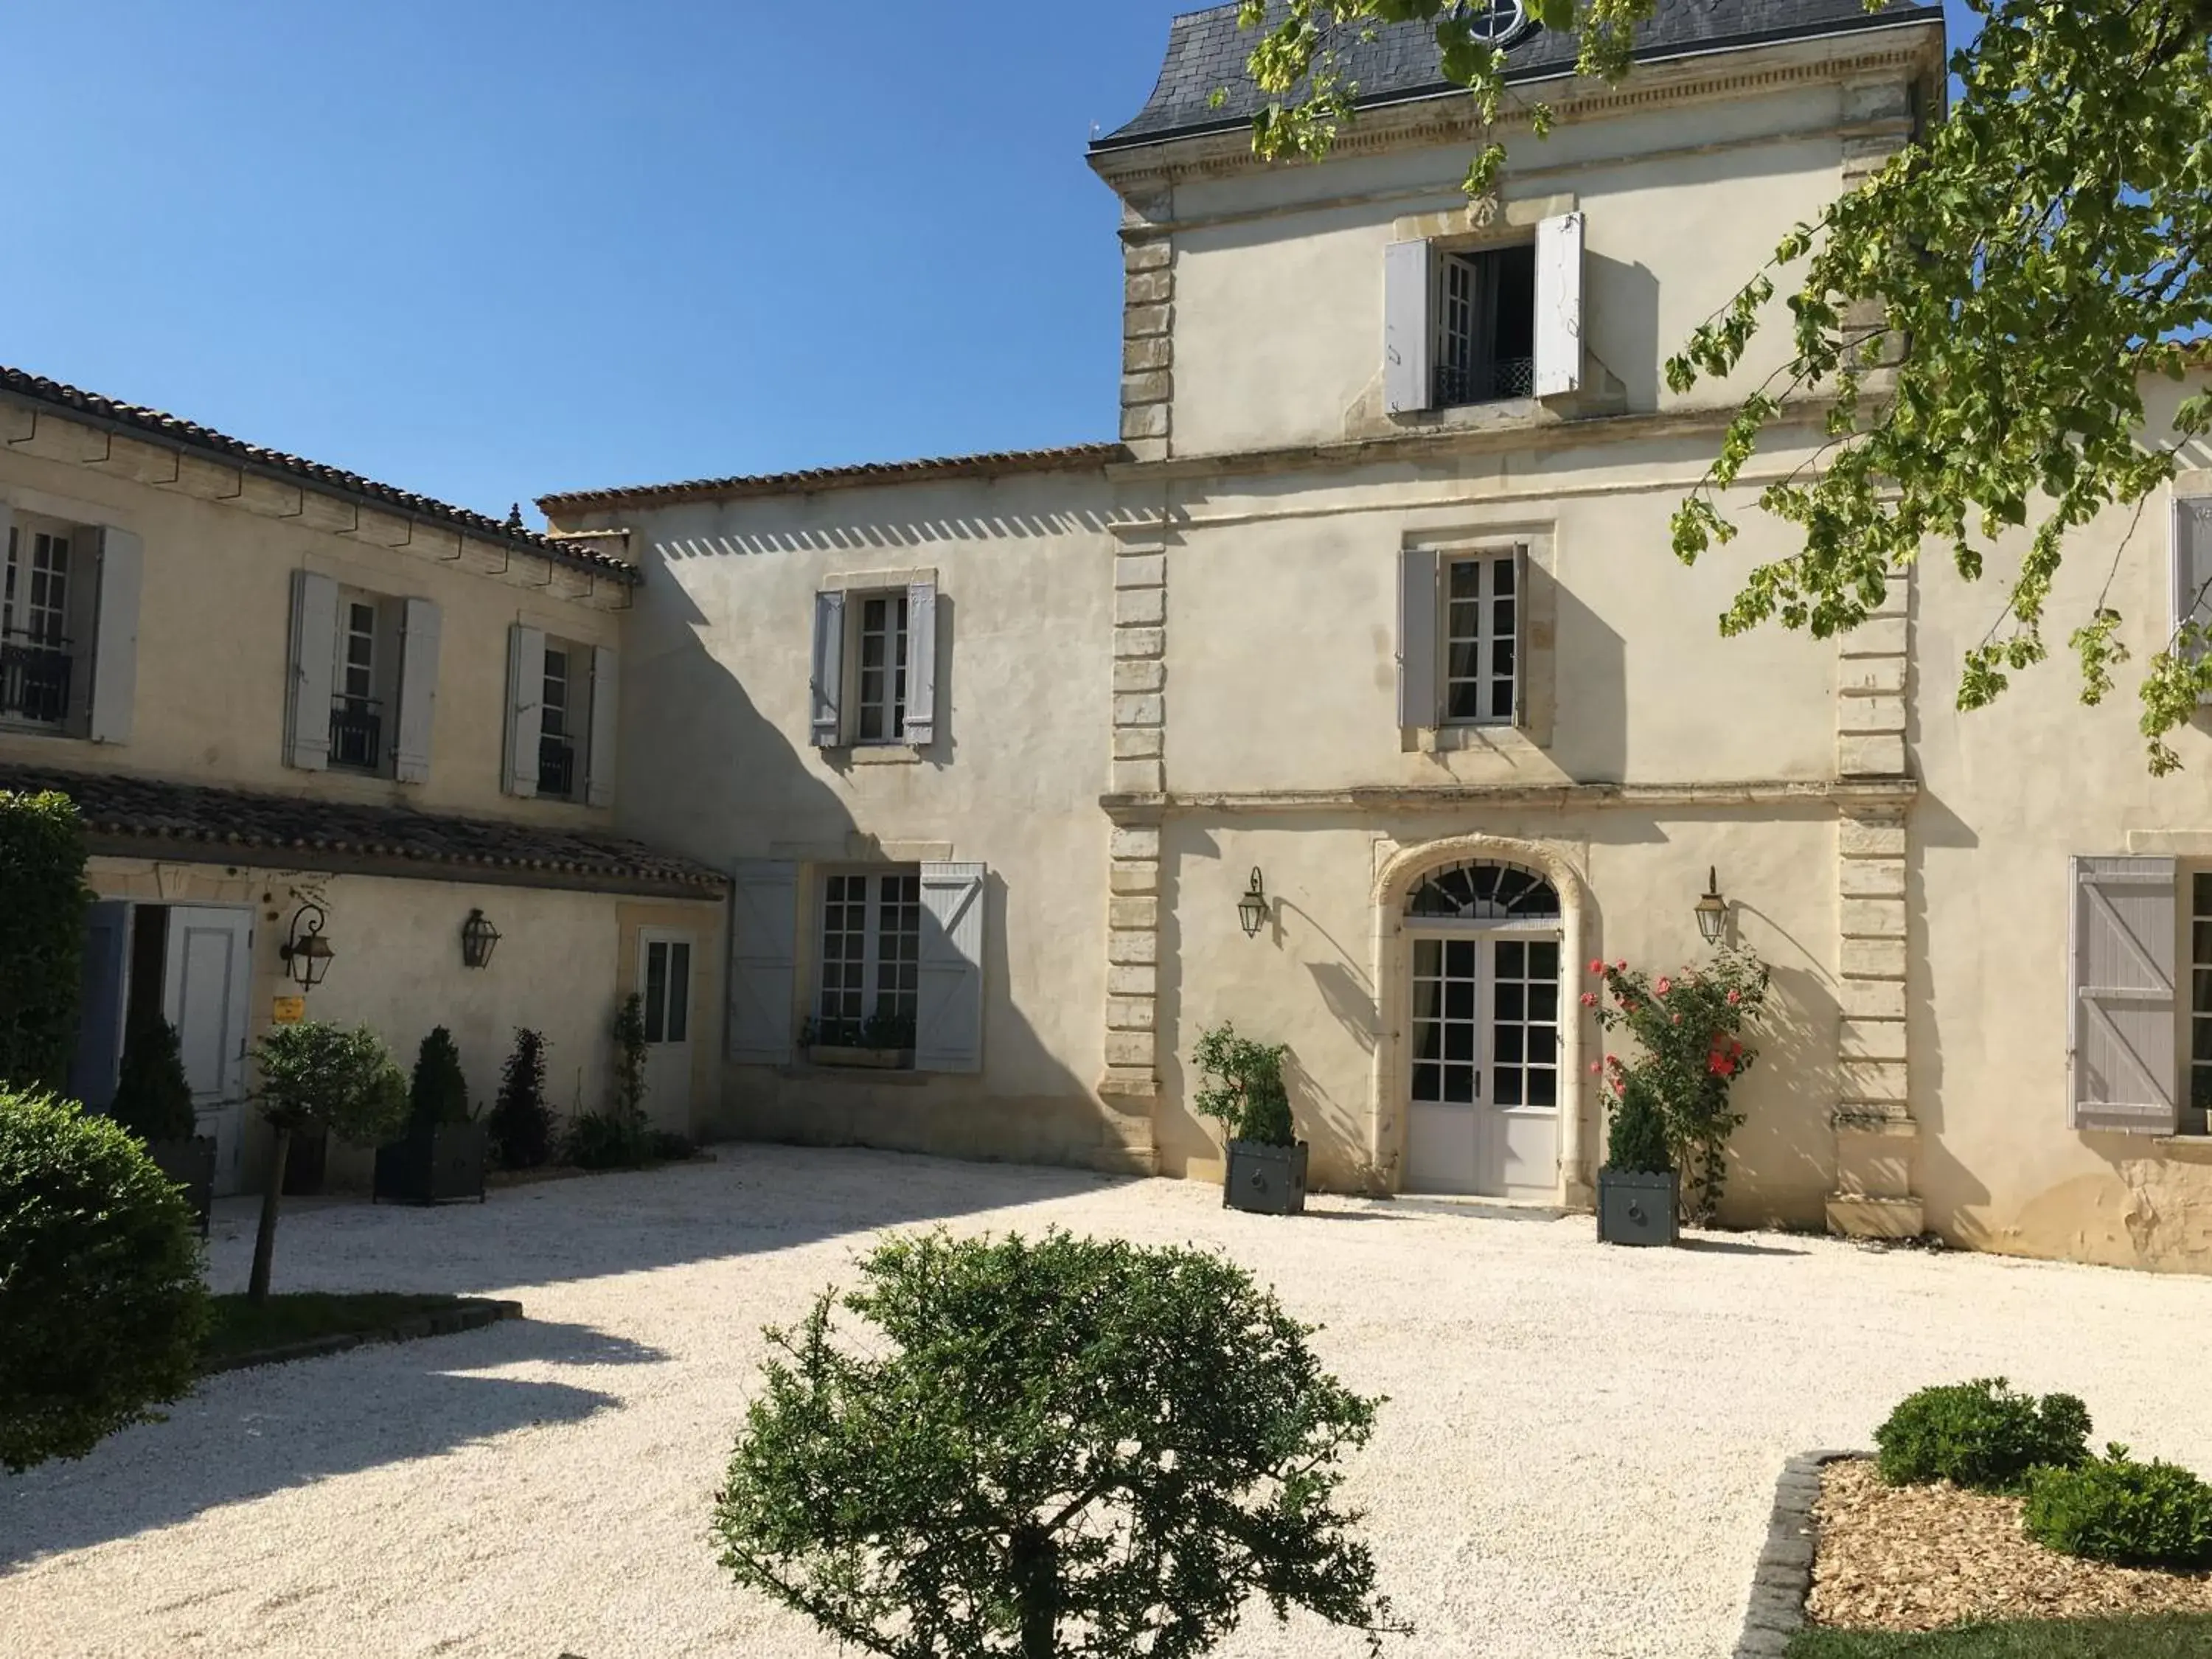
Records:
x=1636, y=1134
x=521, y=1124
x=1073, y=1448
x=629, y=1057
x=153, y=1095
x=102, y=1309
x=316, y=1073
x=43, y=897
x=1242, y=1086
x=439, y=1093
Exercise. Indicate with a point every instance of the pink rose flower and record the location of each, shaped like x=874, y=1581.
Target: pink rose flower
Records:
x=1678, y=1019
x=1589, y=998
x=1663, y=987
x=1735, y=997
x=1596, y=967
x=1620, y=967
x=1596, y=1066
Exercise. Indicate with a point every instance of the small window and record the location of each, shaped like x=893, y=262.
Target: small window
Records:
x=368, y=670
x=1485, y=313
x=40, y=659
x=880, y=693
x=1481, y=637
x=870, y=982
x=667, y=991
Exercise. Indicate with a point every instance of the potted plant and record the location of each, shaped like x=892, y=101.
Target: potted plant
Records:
x=521, y=1123
x=442, y=1155
x=154, y=1101
x=882, y=1042
x=1243, y=1089
x=1638, y=1189
x=316, y=1075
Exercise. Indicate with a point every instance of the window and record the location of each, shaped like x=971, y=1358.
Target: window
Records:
x=563, y=719
x=870, y=986
x=2200, y=1000
x=874, y=678
x=1481, y=674
x=36, y=649
x=667, y=991
x=359, y=739
x=1485, y=313
x=880, y=695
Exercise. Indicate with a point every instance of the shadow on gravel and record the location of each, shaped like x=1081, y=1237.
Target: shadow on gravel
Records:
x=248, y=1434
x=1735, y=1247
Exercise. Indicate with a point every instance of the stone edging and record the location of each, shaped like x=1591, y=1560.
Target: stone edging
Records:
x=1783, y=1577
x=469, y=1315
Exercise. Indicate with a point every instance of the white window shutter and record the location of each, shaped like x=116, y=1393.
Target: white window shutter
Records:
x=418, y=690
x=1419, y=697
x=2189, y=562
x=828, y=682
x=949, y=1001
x=921, y=664
x=606, y=711
x=1559, y=305
x=2121, y=1062
x=115, y=635
x=314, y=670
x=525, y=708
x=763, y=961
x=1407, y=384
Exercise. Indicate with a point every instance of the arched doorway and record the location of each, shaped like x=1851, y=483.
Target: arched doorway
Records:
x=1483, y=1041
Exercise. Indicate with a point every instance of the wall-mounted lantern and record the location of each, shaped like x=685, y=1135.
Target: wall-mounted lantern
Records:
x=307, y=953
x=1252, y=909
x=1712, y=909
x=479, y=938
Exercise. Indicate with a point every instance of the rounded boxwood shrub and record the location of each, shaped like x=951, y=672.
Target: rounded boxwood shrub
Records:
x=1981, y=1435
x=2114, y=1509
x=102, y=1309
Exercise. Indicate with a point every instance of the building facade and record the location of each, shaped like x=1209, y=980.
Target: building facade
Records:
x=292, y=703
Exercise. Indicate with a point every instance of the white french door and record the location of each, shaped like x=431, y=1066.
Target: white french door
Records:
x=664, y=978
x=1484, y=1086
x=207, y=976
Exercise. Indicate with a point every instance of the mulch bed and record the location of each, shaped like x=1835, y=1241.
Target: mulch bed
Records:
x=1923, y=1557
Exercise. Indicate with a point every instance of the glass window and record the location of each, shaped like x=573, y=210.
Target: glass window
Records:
x=883, y=667
x=2200, y=991
x=870, y=981
x=1481, y=640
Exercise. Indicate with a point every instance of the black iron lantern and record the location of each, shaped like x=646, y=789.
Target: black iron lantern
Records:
x=1252, y=909
x=1712, y=909
x=307, y=953
x=479, y=938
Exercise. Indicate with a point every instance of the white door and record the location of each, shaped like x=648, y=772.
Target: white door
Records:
x=207, y=978
x=663, y=979
x=1483, y=1116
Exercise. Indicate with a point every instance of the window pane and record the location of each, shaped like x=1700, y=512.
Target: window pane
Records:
x=1512, y=958
x=2201, y=990
x=1459, y=1084
x=1543, y=1086
x=1544, y=959
x=1465, y=580
x=1509, y=1085
x=1459, y=1043
x=1428, y=958
x=1428, y=1083
x=656, y=992
x=679, y=992
x=1501, y=580
x=1459, y=999
x=1459, y=959
x=2202, y=884
x=2200, y=1039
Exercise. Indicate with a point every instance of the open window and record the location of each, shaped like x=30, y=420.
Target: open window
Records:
x=1468, y=324
x=874, y=673
x=69, y=627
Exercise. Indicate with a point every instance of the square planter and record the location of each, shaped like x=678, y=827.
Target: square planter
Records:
x=433, y=1165
x=190, y=1164
x=1264, y=1180
x=1637, y=1209
x=866, y=1060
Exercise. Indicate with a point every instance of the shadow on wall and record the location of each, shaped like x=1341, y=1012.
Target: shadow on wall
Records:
x=1781, y=1163
x=1947, y=1188
x=1622, y=302
x=1590, y=679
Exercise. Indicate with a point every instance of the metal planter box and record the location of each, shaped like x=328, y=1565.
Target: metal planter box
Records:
x=434, y=1166
x=190, y=1164
x=865, y=1059
x=1637, y=1209
x=1264, y=1180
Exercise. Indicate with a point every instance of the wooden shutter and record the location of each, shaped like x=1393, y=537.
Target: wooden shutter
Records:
x=1559, y=305
x=115, y=635
x=2123, y=1045
x=2189, y=563
x=829, y=681
x=763, y=961
x=418, y=690
x=921, y=664
x=606, y=709
x=100, y=1021
x=314, y=670
x=949, y=1004
x=525, y=708
x=1418, y=697
x=1409, y=385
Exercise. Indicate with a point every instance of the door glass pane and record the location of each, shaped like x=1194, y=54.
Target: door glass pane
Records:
x=679, y=992
x=1524, y=1028
x=656, y=991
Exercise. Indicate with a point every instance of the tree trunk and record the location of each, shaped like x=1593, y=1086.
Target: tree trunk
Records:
x=264, y=1238
x=1037, y=1591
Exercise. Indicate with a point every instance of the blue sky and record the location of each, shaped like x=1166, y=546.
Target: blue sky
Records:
x=487, y=248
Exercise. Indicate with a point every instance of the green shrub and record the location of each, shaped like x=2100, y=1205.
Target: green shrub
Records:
x=438, y=1094
x=43, y=898
x=1980, y=1435
x=153, y=1096
x=2114, y=1509
x=521, y=1124
x=607, y=1140
x=1636, y=1134
x=629, y=1057
x=101, y=1306
x=1242, y=1086
x=670, y=1147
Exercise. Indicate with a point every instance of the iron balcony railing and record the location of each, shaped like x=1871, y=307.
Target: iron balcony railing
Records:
x=1485, y=383
x=34, y=677
x=556, y=767
x=357, y=734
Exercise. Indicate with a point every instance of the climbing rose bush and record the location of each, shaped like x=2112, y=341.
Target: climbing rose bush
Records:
x=1689, y=1028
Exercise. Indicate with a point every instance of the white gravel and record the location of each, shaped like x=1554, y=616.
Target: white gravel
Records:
x=1577, y=1458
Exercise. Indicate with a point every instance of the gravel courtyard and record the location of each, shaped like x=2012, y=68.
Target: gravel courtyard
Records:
x=1577, y=1458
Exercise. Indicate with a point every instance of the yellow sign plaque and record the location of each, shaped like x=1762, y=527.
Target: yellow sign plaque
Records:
x=289, y=1011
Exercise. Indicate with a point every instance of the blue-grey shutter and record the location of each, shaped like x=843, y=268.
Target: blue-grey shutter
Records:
x=99, y=1018
x=949, y=1001
x=525, y=709
x=2190, y=565
x=829, y=679
x=921, y=664
x=599, y=759
x=763, y=961
x=418, y=691
x=2123, y=1040
x=115, y=635
x=314, y=671
x=1419, y=697
x=1408, y=383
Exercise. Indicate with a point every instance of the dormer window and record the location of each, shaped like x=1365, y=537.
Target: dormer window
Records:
x=1485, y=313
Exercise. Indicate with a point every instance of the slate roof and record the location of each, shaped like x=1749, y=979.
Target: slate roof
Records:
x=154, y=818
x=1207, y=51
x=1074, y=458
x=91, y=407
